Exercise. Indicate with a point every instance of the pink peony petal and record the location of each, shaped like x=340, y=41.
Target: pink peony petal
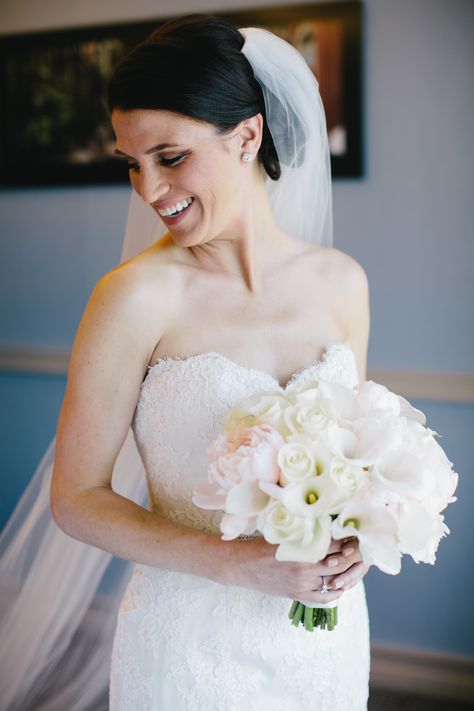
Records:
x=209, y=496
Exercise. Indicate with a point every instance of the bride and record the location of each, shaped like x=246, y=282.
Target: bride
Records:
x=224, y=135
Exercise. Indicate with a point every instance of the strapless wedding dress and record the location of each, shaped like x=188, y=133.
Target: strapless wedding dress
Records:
x=185, y=643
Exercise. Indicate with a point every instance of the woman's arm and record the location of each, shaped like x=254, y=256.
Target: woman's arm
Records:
x=113, y=345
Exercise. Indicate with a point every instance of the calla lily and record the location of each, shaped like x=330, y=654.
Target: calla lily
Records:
x=310, y=498
x=246, y=499
x=420, y=532
x=376, y=529
x=404, y=474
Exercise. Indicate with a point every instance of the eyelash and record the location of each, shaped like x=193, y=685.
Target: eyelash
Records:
x=167, y=162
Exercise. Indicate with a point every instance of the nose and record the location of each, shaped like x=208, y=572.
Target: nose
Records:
x=152, y=184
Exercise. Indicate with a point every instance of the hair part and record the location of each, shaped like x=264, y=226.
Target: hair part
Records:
x=194, y=66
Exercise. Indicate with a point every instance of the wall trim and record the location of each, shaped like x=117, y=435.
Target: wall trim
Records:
x=440, y=386
x=34, y=359
x=422, y=672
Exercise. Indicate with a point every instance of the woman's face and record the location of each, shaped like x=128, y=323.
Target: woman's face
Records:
x=176, y=161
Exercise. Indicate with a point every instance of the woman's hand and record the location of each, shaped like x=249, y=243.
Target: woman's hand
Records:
x=254, y=565
x=344, y=577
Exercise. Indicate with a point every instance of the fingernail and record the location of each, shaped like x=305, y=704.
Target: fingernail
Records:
x=333, y=562
x=348, y=551
x=339, y=584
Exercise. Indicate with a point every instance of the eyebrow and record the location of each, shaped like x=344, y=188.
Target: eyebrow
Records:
x=150, y=151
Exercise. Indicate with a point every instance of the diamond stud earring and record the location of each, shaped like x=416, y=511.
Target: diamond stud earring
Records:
x=246, y=157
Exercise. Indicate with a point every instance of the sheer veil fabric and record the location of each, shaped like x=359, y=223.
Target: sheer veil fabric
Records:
x=59, y=597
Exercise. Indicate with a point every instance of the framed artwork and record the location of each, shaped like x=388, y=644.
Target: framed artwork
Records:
x=54, y=127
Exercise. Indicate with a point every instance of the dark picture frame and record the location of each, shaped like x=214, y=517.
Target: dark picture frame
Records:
x=54, y=128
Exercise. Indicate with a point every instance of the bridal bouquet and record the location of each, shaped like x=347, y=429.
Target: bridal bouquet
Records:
x=322, y=461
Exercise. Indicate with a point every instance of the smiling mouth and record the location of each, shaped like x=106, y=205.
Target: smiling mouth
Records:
x=180, y=208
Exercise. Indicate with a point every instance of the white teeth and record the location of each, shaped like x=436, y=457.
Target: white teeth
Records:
x=178, y=207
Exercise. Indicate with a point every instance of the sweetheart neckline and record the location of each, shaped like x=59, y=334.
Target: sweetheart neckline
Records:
x=293, y=377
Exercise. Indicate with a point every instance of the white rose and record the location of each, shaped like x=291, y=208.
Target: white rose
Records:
x=278, y=524
x=348, y=480
x=262, y=407
x=338, y=401
x=297, y=463
x=311, y=419
x=301, y=539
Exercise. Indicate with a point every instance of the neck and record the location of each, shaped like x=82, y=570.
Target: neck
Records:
x=250, y=244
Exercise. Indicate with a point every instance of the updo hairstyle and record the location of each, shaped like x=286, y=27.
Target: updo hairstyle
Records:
x=194, y=66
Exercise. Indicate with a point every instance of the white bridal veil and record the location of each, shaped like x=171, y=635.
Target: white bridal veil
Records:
x=58, y=596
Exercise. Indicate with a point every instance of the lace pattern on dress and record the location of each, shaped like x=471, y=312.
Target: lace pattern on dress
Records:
x=186, y=643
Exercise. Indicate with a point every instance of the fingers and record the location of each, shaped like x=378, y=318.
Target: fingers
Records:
x=349, y=578
x=347, y=556
x=313, y=599
x=338, y=545
x=335, y=546
x=337, y=586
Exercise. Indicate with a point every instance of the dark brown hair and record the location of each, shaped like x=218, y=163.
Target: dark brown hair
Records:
x=194, y=66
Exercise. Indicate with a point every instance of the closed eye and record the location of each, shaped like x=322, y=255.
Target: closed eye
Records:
x=167, y=162
x=172, y=161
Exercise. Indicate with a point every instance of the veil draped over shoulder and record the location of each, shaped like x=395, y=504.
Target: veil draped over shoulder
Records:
x=58, y=596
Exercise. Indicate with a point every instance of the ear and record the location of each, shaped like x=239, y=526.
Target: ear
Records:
x=250, y=134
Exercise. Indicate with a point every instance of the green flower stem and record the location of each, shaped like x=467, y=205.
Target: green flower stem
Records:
x=298, y=616
x=309, y=618
x=313, y=617
x=293, y=609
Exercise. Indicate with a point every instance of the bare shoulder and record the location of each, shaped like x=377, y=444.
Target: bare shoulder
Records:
x=347, y=283
x=140, y=289
x=125, y=316
x=128, y=311
x=340, y=265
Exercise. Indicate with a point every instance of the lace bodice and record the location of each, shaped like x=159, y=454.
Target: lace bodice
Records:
x=182, y=406
x=187, y=643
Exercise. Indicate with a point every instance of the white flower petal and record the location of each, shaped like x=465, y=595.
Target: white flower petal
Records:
x=246, y=499
x=310, y=498
x=314, y=550
x=234, y=526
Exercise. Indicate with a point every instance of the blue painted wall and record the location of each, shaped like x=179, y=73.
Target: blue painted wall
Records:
x=431, y=606
x=408, y=221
